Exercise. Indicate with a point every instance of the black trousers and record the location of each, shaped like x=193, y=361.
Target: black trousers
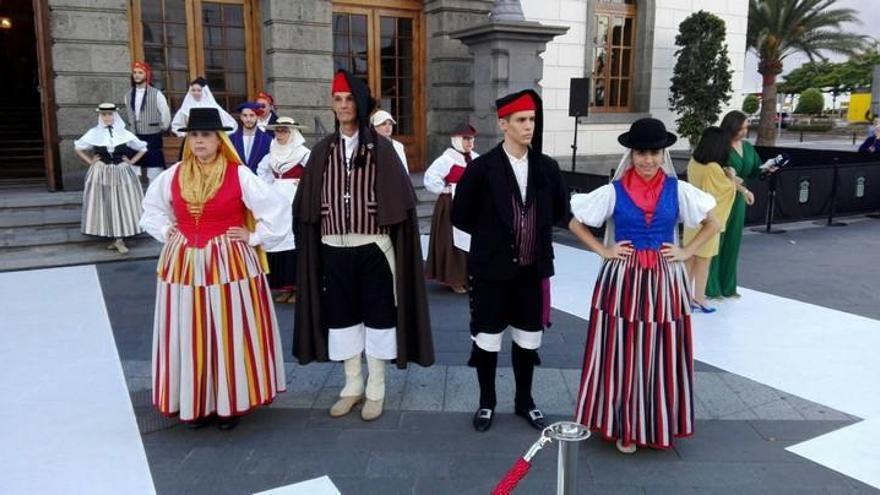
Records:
x=358, y=287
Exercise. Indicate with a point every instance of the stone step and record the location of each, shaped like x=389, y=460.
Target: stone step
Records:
x=425, y=210
x=43, y=235
x=25, y=258
x=33, y=216
x=425, y=196
x=34, y=197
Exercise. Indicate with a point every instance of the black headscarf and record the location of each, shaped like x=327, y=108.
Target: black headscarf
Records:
x=364, y=105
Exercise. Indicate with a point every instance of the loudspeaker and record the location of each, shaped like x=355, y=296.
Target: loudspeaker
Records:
x=579, y=97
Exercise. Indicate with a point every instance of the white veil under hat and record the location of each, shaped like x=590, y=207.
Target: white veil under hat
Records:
x=207, y=101
x=283, y=157
x=99, y=135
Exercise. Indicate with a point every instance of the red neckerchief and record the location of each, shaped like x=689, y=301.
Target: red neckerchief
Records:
x=644, y=193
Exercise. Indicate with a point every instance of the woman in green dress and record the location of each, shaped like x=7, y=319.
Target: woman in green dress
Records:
x=747, y=164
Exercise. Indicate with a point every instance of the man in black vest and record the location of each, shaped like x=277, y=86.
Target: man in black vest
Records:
x=508, y=201
x=149, y=117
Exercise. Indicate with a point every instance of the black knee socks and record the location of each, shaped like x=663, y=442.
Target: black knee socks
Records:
x=485, y=362
x=524, y=362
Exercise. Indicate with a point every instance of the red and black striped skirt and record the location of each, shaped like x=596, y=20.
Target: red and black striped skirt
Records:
x=637, y=382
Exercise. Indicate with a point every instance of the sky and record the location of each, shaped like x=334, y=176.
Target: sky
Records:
x=869, y=12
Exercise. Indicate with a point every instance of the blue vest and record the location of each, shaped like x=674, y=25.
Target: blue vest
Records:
x=629, y=219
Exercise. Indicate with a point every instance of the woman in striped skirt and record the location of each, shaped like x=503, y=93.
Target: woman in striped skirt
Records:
x=637, y=380
x=112, y=194
x=216, y=347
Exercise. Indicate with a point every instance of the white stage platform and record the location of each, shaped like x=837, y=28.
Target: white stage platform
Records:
x=66, y=423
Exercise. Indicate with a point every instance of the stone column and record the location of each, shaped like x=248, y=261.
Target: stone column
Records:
x=91, y=64
x=506, y=50
x=449, y=68
x=298, y=60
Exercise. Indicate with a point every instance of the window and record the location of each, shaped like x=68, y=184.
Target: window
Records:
x=183, y=39
x=165, y=46
x=612, y=57
x=382, y=47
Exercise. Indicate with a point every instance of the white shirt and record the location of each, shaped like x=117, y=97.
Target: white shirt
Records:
x=248, y=142
x=401, y=153
x=351, y=144
x=520, y=168
x=161, y=104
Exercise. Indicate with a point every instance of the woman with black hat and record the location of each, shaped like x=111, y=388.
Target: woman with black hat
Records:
x=448, y=246
x=216, y=348
x=112, y=194
x=637, y=380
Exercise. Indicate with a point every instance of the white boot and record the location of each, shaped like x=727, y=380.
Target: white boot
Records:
x=375, y=389
x=353, y=391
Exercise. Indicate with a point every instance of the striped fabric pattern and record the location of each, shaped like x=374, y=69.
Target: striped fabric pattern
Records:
x=147, y=119
x=524, y=231
x=638, y=375
x=112, y=199
x=216, y=346
x=348, y=197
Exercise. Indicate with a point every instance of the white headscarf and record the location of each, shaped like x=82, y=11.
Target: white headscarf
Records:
x=626, y=164
x=283, y=157
x=458, y=144
x=207, y=101
x=101, y=136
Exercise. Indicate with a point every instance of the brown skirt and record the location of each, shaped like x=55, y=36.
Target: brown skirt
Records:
x=446, y=263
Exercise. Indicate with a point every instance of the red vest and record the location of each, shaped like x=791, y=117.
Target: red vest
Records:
x=224, y=210
x=454, y=174
x=293, y=173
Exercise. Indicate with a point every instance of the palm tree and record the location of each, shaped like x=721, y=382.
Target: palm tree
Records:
x=780, y=28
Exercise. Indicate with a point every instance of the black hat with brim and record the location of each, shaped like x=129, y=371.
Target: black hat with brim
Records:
x=647, y=134
x=204, y=119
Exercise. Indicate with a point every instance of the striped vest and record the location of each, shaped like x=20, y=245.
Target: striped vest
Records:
x=146, y=119
x=348, y=196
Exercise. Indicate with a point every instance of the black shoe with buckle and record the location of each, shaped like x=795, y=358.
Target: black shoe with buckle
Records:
x=534, y=416
x=483, y=419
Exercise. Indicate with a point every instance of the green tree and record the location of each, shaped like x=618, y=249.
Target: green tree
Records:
x=701, y=80
x=781, y=28
x=811, y=102
x=809, y=75
x=750, y=104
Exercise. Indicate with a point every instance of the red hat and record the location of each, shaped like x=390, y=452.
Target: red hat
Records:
x=266, y=96
x=144, y=67
x=340, y=84
x=523, y=103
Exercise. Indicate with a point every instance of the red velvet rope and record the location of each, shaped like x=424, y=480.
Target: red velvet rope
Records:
x=512, y=478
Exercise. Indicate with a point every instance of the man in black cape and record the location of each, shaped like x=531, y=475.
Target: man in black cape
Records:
x=359, y=266
x=508, y=201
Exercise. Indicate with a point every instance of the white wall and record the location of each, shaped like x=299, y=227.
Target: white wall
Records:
x=565, y=59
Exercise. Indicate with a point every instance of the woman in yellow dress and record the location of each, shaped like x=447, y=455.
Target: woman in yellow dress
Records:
x=708, y=172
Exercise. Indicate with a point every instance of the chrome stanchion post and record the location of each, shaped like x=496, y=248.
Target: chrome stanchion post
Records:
x=569, y=435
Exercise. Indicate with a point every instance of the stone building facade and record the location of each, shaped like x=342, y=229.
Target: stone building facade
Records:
x=291, y=47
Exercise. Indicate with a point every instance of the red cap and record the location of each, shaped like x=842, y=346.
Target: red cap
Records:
x=340, y=84
x=521, y=104
x=144, y=67
x=266, y=96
